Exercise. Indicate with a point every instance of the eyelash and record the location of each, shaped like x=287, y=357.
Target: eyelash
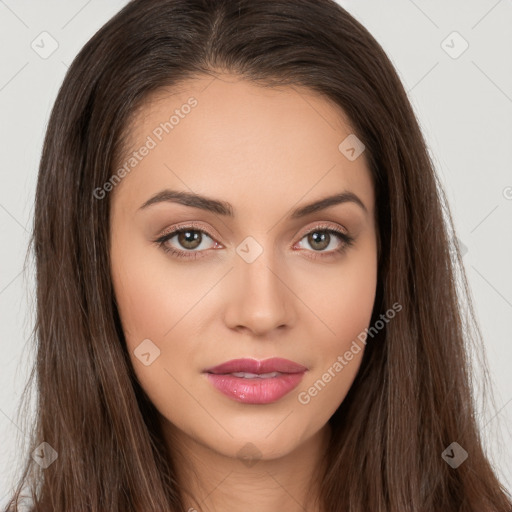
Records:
x=347, y=241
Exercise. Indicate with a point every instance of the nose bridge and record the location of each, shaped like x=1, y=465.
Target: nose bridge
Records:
x=260, y=300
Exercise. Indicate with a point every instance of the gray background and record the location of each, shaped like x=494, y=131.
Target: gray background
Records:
x=464, y=105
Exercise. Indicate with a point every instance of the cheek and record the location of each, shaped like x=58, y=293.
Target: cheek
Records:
x=159, y=303
x=343, y=306
x=152, y=296
x=351, y=300
x=342, y=297
x=149, y=310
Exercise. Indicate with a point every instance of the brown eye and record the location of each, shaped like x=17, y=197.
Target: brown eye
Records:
x=325, y=242
x=186, y=242
x=190, y=239
x=319, y=240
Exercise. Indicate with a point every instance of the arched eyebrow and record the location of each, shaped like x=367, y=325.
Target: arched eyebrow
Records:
x=224, y=208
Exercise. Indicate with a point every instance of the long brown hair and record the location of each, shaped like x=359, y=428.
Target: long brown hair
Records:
x=413, y=394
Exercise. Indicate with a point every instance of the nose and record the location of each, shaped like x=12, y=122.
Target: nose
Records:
x=259, y=299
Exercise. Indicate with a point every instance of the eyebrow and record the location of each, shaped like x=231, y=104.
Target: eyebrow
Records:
x=224, y=208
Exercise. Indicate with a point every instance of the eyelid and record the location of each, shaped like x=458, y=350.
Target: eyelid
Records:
x=190, y=225
x=323, y=225
x=201, y=227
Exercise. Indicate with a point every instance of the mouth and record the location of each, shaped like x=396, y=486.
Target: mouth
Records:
x=253, y=367
x=246, y=375
x=256, y=382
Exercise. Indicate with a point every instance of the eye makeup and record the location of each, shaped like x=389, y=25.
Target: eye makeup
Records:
x=345, y=241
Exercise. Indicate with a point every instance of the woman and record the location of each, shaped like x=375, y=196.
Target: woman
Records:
x=246, y=298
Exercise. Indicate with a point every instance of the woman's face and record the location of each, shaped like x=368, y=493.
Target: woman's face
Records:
x=256, y=274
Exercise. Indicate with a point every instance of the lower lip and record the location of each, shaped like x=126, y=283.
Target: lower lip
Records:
x=255, y=391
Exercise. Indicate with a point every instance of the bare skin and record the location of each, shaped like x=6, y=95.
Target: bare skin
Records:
x=266, y=152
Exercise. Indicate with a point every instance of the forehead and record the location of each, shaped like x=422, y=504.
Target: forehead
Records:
x=231, y=138
x=229, y=101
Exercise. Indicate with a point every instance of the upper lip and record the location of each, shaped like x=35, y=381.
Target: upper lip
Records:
x=274, y=364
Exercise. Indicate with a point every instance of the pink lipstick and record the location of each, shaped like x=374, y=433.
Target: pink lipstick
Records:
x=256, y=382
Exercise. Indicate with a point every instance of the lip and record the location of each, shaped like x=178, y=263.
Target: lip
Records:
x=257, y=390
x=274, y=364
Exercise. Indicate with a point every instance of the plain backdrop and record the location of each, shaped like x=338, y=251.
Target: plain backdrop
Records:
x=454, y=59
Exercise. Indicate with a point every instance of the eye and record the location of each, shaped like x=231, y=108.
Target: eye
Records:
x=189, y=241
x=322, y=237
x=188, y=238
